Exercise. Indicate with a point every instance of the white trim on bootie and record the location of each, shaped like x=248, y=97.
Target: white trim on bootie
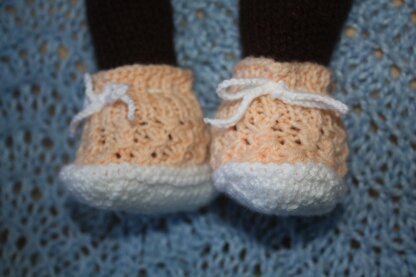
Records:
x=140, y=189
x=281, y=189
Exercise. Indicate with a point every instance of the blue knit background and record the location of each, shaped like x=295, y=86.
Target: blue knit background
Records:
x=44, y=49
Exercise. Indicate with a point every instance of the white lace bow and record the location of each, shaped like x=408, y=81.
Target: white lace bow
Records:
x=95, y=102
x=251, y=88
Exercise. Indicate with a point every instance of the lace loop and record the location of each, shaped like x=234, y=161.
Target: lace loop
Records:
x=96, y=102
x=256, y=87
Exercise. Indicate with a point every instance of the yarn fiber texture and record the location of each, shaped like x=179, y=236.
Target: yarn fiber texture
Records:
x=272, y=131
x=45, y=48
x=167, y=128
x=151, y=160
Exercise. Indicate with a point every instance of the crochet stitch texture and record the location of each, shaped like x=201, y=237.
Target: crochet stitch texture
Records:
x=45, y=48
x=147, y=154
x=280, y=157
x=167, y=128
x=275, y=132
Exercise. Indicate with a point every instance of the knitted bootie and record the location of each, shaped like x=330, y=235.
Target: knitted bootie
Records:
x=144, y=145
x=278, y=143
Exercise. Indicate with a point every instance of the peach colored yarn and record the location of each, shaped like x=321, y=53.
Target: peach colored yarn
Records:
x=167, y=128
x=274, y=132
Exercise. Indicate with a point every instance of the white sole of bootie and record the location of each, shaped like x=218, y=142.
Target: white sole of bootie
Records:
x=140, y=189
x=281, y=189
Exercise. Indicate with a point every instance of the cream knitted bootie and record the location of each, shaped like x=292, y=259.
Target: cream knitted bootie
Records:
x=278, y=143
x=144, y=145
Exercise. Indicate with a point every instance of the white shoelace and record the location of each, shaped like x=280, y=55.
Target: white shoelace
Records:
x=256, y=87
x=96, y=102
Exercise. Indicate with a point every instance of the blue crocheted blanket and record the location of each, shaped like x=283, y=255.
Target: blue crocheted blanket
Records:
x=45, y=48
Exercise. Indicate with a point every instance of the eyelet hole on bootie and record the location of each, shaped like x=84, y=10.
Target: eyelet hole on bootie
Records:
x=296, y=129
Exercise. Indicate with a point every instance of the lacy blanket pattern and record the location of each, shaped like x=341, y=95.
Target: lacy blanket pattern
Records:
x=45, y=49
